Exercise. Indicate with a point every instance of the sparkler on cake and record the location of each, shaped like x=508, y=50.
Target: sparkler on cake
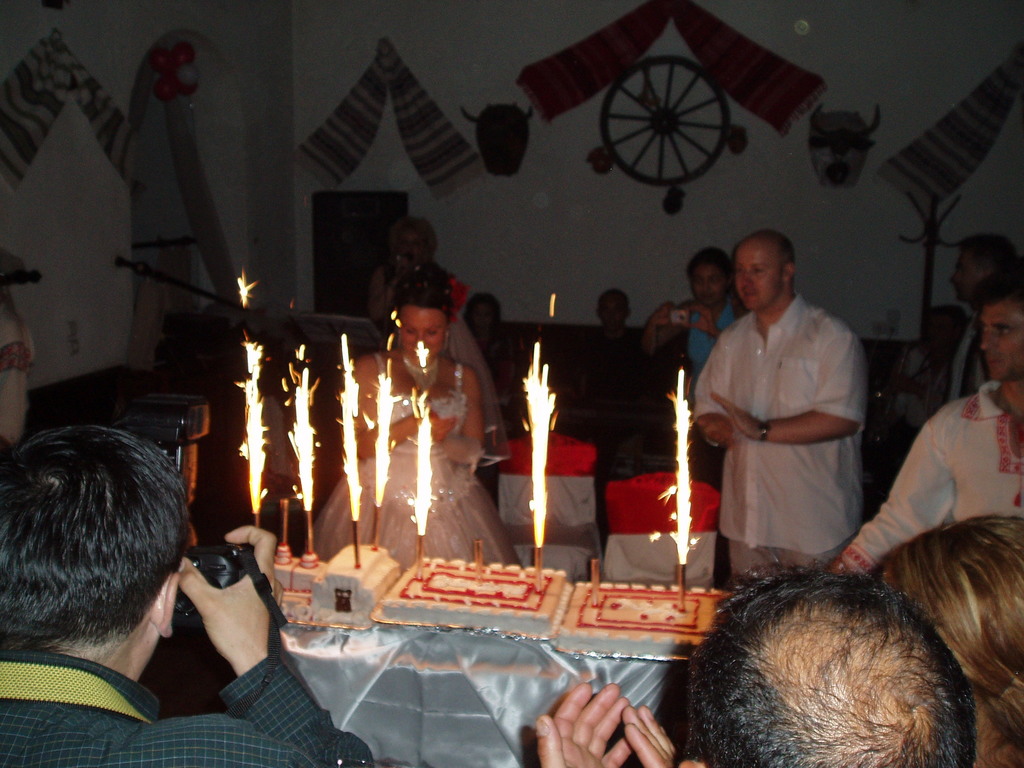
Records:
x=682, y=489
x=424, y=476
x=303, y=440
x=540, y=402
x=349, y=397
x=253, y=447
x=382, y=446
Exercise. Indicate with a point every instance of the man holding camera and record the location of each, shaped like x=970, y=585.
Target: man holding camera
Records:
x=93, y=527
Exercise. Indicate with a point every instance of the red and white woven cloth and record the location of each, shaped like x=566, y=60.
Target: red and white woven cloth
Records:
x=940, y=160
x=764, y=83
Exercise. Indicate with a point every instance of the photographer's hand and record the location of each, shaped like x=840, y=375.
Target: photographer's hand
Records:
x=235, y=618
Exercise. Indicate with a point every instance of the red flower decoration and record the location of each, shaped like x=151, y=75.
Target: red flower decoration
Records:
x=459, y=292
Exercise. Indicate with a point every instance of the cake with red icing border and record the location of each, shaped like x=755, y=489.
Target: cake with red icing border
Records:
x=502, y=598
x=636, y=620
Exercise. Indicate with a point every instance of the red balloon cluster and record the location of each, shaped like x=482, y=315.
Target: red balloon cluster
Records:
x=178, y=73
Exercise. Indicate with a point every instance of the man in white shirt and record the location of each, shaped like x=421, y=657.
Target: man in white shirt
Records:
x=785, y=390
x=967, y=460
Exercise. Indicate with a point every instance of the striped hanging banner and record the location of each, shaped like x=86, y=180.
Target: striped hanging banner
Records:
x=442, y=157
x=938, y=162
x=32, y=97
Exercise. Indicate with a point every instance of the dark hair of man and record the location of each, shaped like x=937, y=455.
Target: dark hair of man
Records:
x=715, y=257
x=808, y=669
x=1001, y=286
x=993, y=251
x=428, y=286
x=782, y=244
x=616, y=293
x=479, y=300
x=92, y=522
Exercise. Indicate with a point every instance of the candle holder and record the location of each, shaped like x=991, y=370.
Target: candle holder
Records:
x=376, y=527
x=309, y=557
x=538, y=566
x=355, y=541
x=681, y=582
x=595, y=581
x=283, y=555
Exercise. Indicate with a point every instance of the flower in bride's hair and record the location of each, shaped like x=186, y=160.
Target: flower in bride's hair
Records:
x=459, y=292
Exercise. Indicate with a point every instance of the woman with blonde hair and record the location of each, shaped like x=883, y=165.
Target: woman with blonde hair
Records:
x=969, y=577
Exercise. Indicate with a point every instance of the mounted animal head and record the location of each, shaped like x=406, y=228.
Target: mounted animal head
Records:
x=502, y=132
x=839, y=145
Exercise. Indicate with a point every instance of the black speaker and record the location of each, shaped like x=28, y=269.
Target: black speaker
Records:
x=350, y=239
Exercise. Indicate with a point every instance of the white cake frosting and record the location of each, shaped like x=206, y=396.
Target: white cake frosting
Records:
x=346, y=594
x=504, y=598
x=297, y=583
x=636, y=620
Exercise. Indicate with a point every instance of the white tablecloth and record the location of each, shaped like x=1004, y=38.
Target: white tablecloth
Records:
x=450, y=699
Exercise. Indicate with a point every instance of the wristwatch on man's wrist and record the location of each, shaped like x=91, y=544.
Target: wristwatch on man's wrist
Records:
x=762, y=430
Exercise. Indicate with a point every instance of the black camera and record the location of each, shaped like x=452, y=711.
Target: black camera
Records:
x=222, y=566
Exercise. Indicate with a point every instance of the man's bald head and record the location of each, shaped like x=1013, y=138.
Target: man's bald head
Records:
x=809, y=669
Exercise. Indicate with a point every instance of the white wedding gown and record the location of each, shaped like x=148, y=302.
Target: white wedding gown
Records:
x=461, y=509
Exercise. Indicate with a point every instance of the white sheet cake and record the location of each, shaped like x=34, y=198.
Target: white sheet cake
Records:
x=636, y=620
x=345, y=594
x=297, y=585
x=504, y=598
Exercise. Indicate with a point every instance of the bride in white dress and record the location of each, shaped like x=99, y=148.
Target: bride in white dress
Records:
x=461, y=509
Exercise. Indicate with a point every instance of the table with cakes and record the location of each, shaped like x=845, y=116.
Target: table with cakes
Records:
x=454, y=663
x=444, y=661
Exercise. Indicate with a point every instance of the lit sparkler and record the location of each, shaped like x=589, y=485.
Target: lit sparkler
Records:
x=385, y=406
x=252, y=449
x=423, y=476
x=682, y=489
x=303, y=440
x=540, y=403
x=349, y=413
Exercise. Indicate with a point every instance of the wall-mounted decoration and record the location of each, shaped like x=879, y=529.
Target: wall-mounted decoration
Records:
x=177, y=70
x=774, y=89
x=502, y=133
x=442, y=157
x=839, y=144
x=737, y=140
x=664, y=122
x=34, y=94
x=656, y=130
x=939, y=161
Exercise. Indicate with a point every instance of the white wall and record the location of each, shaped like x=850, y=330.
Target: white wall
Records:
x=557, y=226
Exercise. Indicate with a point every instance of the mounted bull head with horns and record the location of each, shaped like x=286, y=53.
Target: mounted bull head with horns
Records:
x=502, y=132
x=839, y=145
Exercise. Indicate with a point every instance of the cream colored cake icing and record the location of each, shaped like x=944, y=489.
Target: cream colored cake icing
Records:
x=504, y=598
x=297, y=584
x=346, y=594
x=636, y=620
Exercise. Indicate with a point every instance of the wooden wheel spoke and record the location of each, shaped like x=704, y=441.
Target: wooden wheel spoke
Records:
x=632, y=135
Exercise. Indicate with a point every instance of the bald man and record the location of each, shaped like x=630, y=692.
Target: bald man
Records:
x=785, y=391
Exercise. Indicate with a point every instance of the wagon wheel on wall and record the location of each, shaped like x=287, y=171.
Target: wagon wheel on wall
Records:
x=665, y=122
